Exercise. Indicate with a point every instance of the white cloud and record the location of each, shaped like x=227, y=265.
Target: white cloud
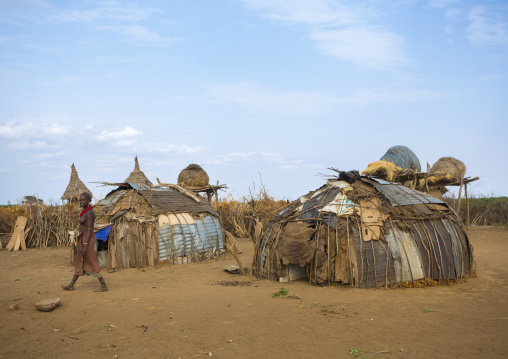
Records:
x=25, y=130
x=171, y=148
x=486, y=28
x=121, y=136
x=312, y=103
x=242, y=157
x=310, y=12
x=369, y=47
x=340, y=30
x=487, y=78
x=442, y=3
x=262, y=100
x=301, y=166
x=4, y=39
x=107, y=10
x=49, y=155
x=140, y=35
x=246, y=156
x=29, y=145
x=112, y=59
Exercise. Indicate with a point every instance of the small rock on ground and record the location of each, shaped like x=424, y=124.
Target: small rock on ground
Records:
x=47, y=305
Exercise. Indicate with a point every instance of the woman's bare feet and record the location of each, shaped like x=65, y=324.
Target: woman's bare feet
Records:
x=68, y=287
x=102, y=288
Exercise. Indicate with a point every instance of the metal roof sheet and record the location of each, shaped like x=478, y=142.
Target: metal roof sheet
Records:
x=398, y=195
x=112, y=198
x=164, y=200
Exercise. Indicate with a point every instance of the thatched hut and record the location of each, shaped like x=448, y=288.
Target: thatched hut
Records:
x=365, y=232
x=148, y=225
x=75, y=187
x=137, y=176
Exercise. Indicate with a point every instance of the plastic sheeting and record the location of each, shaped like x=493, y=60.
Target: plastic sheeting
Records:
x=103, y=234
x=403, y=157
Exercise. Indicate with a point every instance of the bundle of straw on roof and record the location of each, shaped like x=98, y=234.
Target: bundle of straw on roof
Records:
x=382, y=169
x=451, y=169
x=193, y=175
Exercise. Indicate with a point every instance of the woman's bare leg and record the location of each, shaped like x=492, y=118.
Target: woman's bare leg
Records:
x=103, y=287
x=70, y=286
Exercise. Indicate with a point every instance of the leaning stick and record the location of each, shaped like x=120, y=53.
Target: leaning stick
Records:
x=178, y=188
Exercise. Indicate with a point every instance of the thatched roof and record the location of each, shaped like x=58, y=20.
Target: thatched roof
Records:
x=159, y=201
x=137, y=176
x=75, y=186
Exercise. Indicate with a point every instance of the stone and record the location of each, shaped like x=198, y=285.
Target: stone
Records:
x=234, y=269
x=47, y=305
x=14, y=307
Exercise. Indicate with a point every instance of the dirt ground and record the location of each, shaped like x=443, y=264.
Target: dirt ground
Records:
x=187, y=311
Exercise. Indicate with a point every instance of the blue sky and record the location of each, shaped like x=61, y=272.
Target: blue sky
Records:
x=249, y=89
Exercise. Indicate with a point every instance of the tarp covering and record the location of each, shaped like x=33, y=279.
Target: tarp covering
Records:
x=403, y=157
x=103, y=234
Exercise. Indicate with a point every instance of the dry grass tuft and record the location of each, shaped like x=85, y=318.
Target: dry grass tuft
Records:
x=239, y=216
x=47, y=225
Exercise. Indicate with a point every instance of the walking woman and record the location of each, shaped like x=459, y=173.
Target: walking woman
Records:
x=86, y=258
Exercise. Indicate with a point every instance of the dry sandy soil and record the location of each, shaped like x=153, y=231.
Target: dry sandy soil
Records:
x=186, y=311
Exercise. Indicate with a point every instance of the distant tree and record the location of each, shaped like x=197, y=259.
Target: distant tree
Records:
x=31, y=200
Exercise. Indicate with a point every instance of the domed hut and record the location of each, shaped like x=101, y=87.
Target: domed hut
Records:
x=364, y=232
x=137, y=176
x=75, y=187
x=193, y=176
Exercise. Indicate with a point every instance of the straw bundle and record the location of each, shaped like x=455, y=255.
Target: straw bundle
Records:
x=452, y=168
x=193, y=175
x=382, y=169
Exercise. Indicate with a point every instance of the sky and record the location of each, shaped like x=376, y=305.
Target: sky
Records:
x=258, y=92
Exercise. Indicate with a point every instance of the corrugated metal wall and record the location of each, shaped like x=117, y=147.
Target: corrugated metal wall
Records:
x=190, y=239
x=431, y=249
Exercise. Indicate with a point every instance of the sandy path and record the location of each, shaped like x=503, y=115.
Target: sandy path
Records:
x=188, y=315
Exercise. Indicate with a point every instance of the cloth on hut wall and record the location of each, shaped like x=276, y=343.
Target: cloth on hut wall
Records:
x=87, y=265
x=371, y=217
x=296, y=244
x=403, y=157
x=340, y=205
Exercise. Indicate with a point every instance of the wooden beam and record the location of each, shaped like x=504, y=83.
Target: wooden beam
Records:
x=178, y=188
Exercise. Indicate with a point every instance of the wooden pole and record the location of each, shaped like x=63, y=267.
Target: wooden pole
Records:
x=467, y=203
x=460, y=193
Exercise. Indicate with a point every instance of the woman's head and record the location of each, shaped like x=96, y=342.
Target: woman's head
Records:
x=84, y=199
